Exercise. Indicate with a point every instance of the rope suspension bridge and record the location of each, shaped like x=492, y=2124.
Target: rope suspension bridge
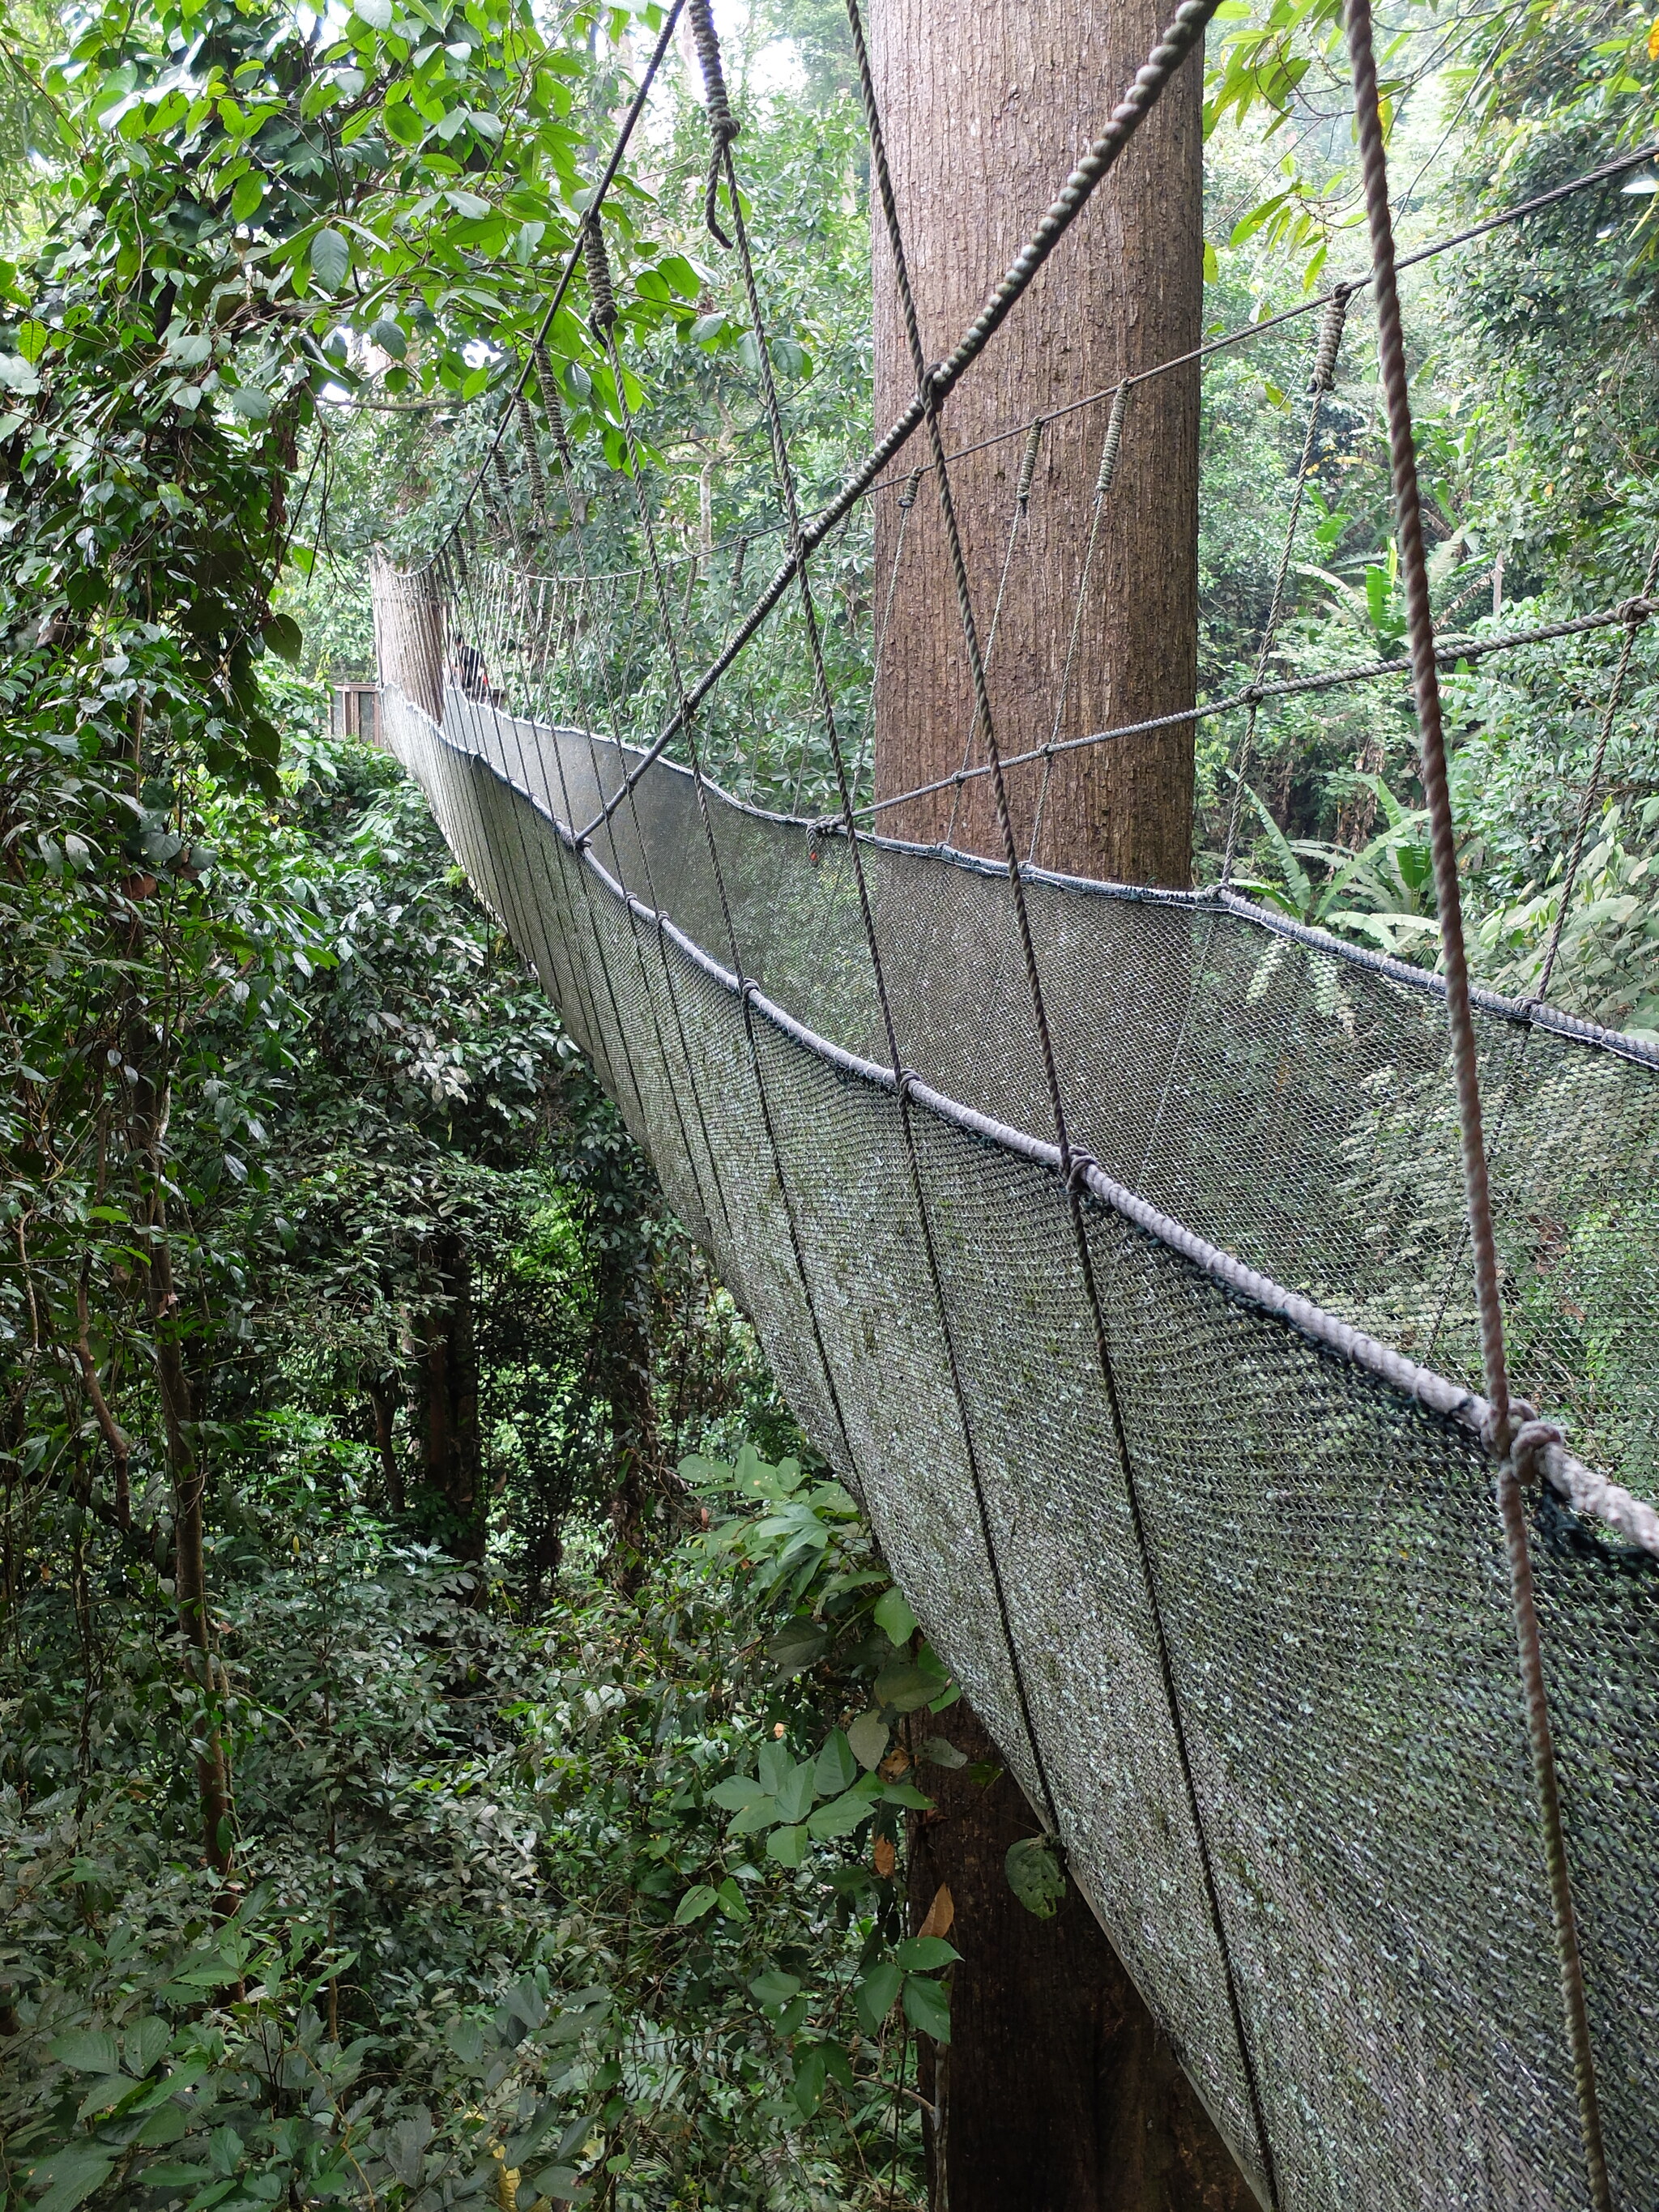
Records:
x=1200, y=1304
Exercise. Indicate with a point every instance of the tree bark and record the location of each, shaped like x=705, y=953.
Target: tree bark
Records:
x=452, y=1457
x=985, y=111
x=624, y=1293
x=1057, y=2092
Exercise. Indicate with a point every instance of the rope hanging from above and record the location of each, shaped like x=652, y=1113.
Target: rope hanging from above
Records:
x=1517, y=1439
x=723, y=125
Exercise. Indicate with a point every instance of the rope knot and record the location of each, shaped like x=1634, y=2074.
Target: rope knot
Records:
x=907, y=498
x=1027, y=464
x=904, y=1082
x=1112, y=445
x=723, y=125
x=599, y=286
x=1330, y=338
x=1077, y=1171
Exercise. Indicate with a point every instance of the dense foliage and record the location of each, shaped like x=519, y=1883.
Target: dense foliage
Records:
x=455, y=1744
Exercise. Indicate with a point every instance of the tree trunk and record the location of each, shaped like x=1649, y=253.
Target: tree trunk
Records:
x=1057, y=2092
x=624, y=1291
x=382, y=1393
x=453, y=1462
x=985, y=111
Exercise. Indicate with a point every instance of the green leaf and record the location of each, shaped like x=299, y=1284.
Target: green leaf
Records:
x=925, y=1954
x=72, y=2175
x=250, y=190
x=938, y=1751
x=808, y=2090
x=927, y=2007
x=893, y=1615
x=146, y=2044
x=904, y=1688
x=389, y=336
x=89, y=2051
x=282, y=634
x=841, y=1815
x=377, y=13
x=868, y=1738
x=1035, y=1876
x=331, y=260
x=874, y=1995
x=837, y=1768
x=739, y=1791
x=794, y=1795
x=732, y=1901
x=697, y=1900
x=796, y=1647
x=753, y=1818
x=774, y=1987
x=1211, y=264
x=251, y=403
x=788, y=1846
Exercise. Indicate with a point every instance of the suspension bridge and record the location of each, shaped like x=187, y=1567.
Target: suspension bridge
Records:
x=1244, y=1343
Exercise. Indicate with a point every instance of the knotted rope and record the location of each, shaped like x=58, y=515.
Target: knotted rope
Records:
x=1518, y=1446
x=723, y=125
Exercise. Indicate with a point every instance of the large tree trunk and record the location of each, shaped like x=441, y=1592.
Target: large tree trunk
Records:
x=1057, y=2093
x=985, y=111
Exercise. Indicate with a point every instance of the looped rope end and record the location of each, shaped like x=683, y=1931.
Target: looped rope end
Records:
x=907, y=498
x=1028, y=463
x=723, y=125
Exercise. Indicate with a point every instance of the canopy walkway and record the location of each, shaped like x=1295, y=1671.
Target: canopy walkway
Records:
x=1123, y=1251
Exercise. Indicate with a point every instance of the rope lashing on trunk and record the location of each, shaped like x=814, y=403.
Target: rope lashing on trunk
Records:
x=1477, y=1189
x=723, y=125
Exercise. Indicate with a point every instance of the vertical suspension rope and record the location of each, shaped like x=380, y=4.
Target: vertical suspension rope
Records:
x=1149, y=84
x=1518, y=1451
x=1321, y=382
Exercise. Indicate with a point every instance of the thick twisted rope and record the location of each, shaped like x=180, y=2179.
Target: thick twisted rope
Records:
x=1516, y=1449
x=723, y=125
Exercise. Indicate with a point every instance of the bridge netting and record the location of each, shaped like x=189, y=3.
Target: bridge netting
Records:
x=1114, y=1247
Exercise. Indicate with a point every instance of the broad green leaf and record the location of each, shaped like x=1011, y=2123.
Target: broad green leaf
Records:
x=250, y=190
x=874, y=1995
x=925, y=1954
x=737, y=1792
x=904, y=1688
x=774, y=1987
x=697, y=1900
x=837, y=1767
x=788, y=1846
x=732, y=1901
x=377, y=13
x=893, y=1615
x=72, y=2175
x=868, y=1738
x=1035, y=1876
x=251, y=403
x=808, y=2090
x=331, y=260
x=938, y=1751
x=753, y=1818
x=89, y=2051
x=777, y=1763
x=794, y=1795
x=282, y=634
x=927, y=2007
x=840, y=1816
